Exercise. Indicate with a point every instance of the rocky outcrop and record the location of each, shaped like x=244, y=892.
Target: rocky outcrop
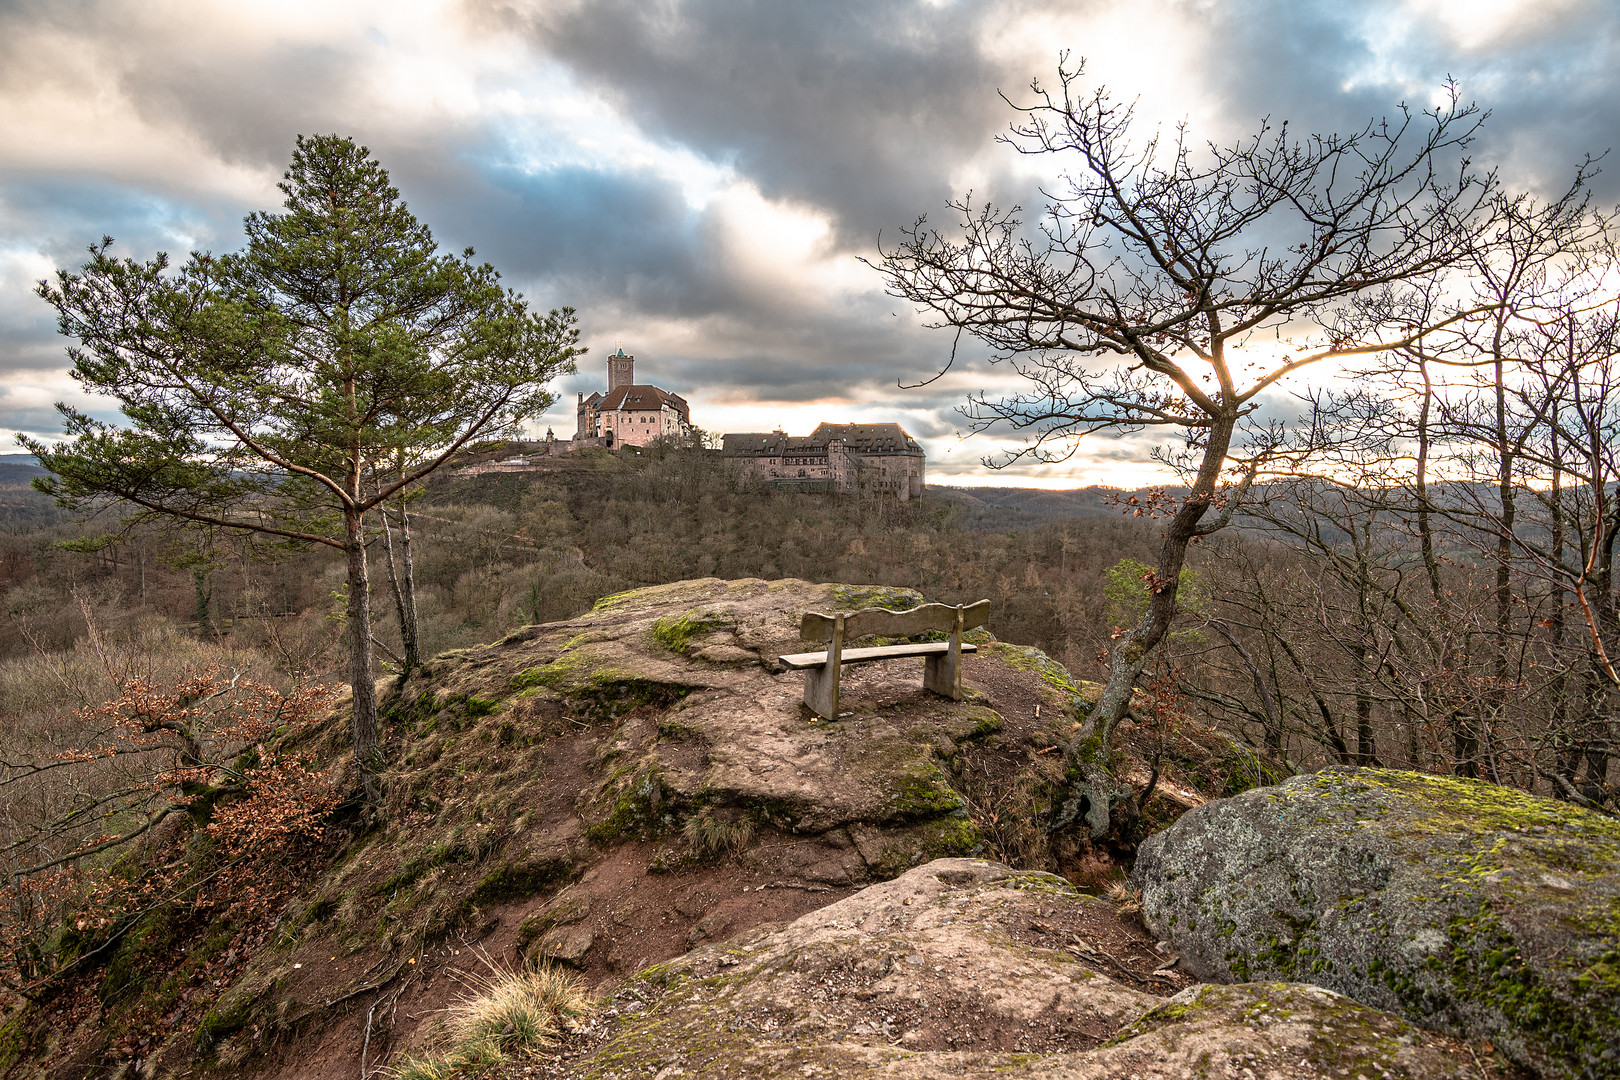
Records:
x=966, y=968
x=703, y=723
x=1463, y=906
x=608, y=791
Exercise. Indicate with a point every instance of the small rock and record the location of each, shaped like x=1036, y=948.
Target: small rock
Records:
x=692, y=905
x=711, y=925
x=567, y=944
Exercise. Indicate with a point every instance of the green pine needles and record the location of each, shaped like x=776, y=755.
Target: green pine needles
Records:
x=289, y=388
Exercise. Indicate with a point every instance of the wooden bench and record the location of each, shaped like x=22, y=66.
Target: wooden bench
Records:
x=942, y=675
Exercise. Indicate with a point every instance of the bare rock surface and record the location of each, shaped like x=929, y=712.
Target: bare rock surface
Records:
x=1463, y=906
x=931, y=974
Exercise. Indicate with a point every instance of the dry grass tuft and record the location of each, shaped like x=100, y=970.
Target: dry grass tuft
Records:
x=708, y=835
x=512, y=1014
x=1121, y=895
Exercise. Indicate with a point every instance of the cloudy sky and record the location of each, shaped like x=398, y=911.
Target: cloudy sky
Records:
x=700, y=178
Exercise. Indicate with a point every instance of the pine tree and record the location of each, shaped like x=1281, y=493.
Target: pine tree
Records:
x=289, y=388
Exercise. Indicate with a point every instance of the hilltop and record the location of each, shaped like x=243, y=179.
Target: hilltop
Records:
x=603, y=792
x=638, y=795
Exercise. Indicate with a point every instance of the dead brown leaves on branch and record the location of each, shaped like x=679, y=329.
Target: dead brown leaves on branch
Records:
x=184, y=796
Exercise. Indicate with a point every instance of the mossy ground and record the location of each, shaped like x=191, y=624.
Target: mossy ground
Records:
x=596, y=687
x=922, y=791
x=677, y=632
x=1066, y=690
x=519, y=878
x=632, y=802
x=889, y=598
x=1345, y=1038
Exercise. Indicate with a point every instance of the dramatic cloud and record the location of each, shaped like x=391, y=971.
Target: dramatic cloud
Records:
x=701, y=179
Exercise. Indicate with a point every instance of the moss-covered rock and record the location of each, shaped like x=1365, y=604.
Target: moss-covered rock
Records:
x=677, y=632
x=1463, y=906
x=887, y=597
x=632, y=801
x=522, y=878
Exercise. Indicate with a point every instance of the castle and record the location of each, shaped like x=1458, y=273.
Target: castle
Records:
x=630, y=413
x=844, y=458
x=835, y=457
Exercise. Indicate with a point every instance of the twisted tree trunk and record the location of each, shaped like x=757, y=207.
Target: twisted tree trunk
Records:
x=1094, y=791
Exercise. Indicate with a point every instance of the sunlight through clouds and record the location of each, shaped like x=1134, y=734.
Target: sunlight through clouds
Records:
x=1475, y=24
x=701, y=179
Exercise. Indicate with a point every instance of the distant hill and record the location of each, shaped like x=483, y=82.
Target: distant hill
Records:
x=18, y=469
x=994, y=509
x=20, y=505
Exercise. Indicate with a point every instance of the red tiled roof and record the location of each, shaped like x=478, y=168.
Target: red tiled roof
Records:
x=638, y=398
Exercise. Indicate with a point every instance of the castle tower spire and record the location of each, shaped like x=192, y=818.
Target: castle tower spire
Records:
x=621, y=370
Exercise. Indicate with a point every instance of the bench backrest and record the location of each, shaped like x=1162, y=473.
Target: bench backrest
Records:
x=919, y=620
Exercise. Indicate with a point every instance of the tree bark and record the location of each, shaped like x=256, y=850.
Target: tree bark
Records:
x=404, y=590
x=1464, y=747
x=413, y=657
x=360, y=657
x=1087, y=759
x=1268, y=702
x=1507, y=507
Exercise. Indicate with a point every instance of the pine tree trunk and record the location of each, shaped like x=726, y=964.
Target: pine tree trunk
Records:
x=360, y=659
x=410, y=628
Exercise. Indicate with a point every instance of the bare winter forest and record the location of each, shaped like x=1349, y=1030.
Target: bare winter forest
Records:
x=1429, y=628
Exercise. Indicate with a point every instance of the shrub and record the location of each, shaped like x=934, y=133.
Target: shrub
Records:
x=197, y=755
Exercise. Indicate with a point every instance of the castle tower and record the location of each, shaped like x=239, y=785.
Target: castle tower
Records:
x=621, y=370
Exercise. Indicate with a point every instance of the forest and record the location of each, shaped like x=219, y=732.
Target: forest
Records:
x=1352, y=623
x=1355, y=623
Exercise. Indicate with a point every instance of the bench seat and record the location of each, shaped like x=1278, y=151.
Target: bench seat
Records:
x=942, y=673
x=802, y=660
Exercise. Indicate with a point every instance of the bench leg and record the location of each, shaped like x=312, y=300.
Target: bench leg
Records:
x=821, y=690
x=943, y=675
x=821, y=684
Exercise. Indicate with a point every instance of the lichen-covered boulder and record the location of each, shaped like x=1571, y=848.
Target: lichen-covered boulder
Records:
x=935, y=974
x=1463, y=906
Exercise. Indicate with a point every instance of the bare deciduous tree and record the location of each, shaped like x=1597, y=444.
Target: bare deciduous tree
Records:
x=1170, y=286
